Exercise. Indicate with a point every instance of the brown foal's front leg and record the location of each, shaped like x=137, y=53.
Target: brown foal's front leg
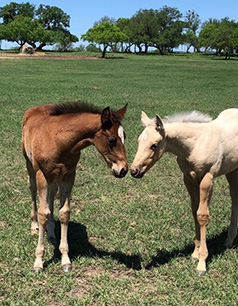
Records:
x=203, y=219
x=64, y=215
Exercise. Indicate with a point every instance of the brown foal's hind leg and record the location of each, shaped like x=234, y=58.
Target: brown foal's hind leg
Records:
x=33, y=189
x=50, y=227
x=64, y=214
x=43, y=218
x=193, y=191
x=203, y=219
x=233, y=183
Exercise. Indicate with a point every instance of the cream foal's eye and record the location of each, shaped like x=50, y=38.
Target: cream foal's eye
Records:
x=154, y=146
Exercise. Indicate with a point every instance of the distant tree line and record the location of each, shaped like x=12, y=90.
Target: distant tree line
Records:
x=162, y=29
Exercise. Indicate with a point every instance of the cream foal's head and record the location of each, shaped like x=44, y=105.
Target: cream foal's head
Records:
x=151, y=145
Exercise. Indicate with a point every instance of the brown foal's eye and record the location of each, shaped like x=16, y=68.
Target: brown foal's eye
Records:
x=112, y=142
x=154, y=146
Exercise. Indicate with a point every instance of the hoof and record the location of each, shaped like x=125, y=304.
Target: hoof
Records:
x=200, y=273
x=37, y=270
x=67, y=268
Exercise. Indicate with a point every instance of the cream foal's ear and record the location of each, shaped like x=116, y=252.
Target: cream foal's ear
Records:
x=159, y=123
x=145, y=119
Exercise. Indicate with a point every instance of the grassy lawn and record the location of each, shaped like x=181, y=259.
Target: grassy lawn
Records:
x=130, y=240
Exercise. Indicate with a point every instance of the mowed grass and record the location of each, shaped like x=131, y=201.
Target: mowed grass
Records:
x=130, y=240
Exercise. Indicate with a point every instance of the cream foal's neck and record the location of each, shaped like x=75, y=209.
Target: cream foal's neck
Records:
x=181, y=137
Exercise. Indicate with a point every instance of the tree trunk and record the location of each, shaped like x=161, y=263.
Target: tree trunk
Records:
x=41, y=46
x=146, y=48
x=104, y=51
x=139, y=47
x=189, y=48
x=161, y=50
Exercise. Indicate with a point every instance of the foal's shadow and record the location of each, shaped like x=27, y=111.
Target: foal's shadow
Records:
x=79, y=245
x=215, y=247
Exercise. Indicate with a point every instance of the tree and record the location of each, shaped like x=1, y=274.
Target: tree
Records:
x=22, y=30
x=234, y=37
x=219, y=35
x=65, y=39
x=207, y=36
x=57, y=21
x=170, y=29
x=124, y=25
x=46, y=25
x=105, y=18
x=104, y=34
x=161, y=29
x=143, y=29
x=193, y=22
x=10, y=11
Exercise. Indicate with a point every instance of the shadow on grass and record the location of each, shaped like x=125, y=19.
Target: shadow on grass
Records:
x=79, y=245
x=215, y=247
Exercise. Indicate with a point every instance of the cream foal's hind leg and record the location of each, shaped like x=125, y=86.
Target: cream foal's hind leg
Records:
x=193, y=190
x=233, y=183
x=203, y=219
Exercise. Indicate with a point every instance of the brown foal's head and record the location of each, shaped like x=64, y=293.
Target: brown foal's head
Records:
x=109, y=141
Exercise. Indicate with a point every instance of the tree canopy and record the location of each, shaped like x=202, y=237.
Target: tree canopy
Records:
x=221, y=35
x=23, y=23
x=104, y=34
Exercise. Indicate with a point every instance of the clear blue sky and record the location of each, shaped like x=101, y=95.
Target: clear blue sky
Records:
x=83, y=14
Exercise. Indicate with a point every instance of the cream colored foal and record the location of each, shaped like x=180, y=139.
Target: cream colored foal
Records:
x=205, y=149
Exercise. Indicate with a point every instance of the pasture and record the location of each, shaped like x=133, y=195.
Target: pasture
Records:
x=130, y=240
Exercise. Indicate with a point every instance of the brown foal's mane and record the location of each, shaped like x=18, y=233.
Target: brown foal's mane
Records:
x=74, y=108
x=78, y=107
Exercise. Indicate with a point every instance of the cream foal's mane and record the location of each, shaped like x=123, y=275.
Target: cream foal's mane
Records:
x=193, y=116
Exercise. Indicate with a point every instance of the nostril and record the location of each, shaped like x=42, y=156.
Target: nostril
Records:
x=134, y=172
x=123, y=172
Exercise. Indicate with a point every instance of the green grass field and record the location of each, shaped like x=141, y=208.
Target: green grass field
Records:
x=130, y=240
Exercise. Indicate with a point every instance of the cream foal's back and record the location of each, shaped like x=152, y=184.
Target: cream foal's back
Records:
x=227, y=128
x=206, y=146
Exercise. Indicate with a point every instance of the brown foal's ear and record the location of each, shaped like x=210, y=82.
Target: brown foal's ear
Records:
x=106, y=118
x=159, y=123
x=121, y=112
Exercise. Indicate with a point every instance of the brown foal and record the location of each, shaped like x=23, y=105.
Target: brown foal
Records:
x=52, y=138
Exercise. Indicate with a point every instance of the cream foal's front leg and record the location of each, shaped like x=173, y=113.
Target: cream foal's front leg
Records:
x=203, y=219
x=193, y=190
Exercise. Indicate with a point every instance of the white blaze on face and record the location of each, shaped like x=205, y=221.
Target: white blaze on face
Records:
x=121, y=134
x=143, y=136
